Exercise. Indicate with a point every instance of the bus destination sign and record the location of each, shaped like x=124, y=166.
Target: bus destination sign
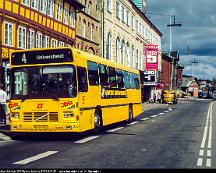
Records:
x=41, y=57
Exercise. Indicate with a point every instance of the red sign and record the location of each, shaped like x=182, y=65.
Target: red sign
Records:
x=151, y=57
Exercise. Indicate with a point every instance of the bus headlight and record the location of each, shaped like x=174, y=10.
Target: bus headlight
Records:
x=14, y=115
x=68, y=115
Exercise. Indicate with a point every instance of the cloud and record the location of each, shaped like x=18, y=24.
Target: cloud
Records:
x=198, y=19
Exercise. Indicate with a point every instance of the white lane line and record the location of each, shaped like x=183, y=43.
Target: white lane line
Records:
x=199, y=162
x=201, y=153
x=208, y=153
x=153, y=116
x=4, y=137
x=116, y=129
x=170, y=109
x=86, y=139
x=34, y=158
x=204, y=137
x=210, y=130
x=166, y=111
x=135, y=122
x=208, y=162
x=144, y=119
x=161, y=113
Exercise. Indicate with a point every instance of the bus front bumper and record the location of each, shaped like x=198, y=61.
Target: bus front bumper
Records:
x=60, y=127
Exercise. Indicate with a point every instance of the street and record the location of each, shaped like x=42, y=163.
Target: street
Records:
x=168, y=136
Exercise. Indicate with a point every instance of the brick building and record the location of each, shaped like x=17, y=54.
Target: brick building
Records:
x=29, y=24
x=171, y=76
x=88, y=30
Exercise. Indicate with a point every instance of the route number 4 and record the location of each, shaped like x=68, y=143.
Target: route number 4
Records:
x=24, y=60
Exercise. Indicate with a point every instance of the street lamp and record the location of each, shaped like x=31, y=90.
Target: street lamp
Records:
x=174, y=24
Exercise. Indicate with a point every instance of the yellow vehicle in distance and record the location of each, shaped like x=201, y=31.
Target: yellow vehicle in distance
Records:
x=169, y=96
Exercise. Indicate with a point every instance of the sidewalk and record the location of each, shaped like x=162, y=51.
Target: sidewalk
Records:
x=148, y=106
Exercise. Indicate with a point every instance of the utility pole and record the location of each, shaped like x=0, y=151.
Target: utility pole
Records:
x=174, y=24
x=194, y=62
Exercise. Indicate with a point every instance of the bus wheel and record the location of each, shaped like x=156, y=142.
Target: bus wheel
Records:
x=130, y=114
x=97, y=121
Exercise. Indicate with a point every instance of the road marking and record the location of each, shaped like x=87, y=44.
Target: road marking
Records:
x=4, y=137
x=116, y=129
x=135, y=122
x=170, y=109
x=199, y=162
x=166, y=111
x=206, y=144
x=208, y=162
x=144, y=119
x=201, y=153
x=161, y=113
x=34, y=158
x=209, y=153
x=153, y=116
x=86, y=139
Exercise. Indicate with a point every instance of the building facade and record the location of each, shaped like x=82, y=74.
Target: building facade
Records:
x=29, y=24
x=88, y=30
x=126, y=32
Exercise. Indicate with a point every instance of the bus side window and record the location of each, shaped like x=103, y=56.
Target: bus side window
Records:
x=120, y=78
x=137, y=81
x=112, y=77
x=126, y=80
x=103, y=75
x=93, y=73
x=82, y=79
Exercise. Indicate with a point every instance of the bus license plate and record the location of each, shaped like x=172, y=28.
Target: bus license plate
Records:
x=41, y=127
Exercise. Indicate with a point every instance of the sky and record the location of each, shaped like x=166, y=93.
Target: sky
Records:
x=198, y=32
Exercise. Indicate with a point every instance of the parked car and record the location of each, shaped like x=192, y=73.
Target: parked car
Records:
x=169, y=96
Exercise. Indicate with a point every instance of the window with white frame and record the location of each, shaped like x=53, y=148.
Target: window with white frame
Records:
x=122, y=52
x=50, y=8
x=46, y=41
x=128, y=54
x=34, y=4
x=72, y=18
x=123, y=14
x=109, y=6
x=8, y=34
x=84, y=29
x=31, y=39
x=66, y=15
x=54, y=42
x=26, y=2
x=118, y=48
x=140, y=28
x=137, y=26
x=59, y=11
x=61, y=44
x=92, y=32
x=132, y=54
x=43, y=6
x=89, y=8
x=117, y=9
x=137, y=58
x=127, y=17
x=39, y=38
x=132, y=22
x=22, y=37
x=109, y=46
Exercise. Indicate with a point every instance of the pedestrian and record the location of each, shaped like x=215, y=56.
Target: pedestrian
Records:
x=154, y=97
x=159, y=97
x=3, y=106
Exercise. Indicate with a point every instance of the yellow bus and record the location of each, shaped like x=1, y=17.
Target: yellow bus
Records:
x=68, y=90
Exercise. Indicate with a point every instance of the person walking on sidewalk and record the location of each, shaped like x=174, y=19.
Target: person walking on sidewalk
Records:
x=3, y=106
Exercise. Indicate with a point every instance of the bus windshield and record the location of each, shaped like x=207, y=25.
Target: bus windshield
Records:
x=44, y=82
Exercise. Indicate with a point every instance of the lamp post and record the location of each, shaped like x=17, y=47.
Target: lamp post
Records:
x=174, y=24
